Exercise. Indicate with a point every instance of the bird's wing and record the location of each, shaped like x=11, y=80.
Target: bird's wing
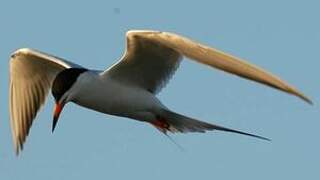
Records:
x=146, y=63
x=31, y=75
x=152, y=57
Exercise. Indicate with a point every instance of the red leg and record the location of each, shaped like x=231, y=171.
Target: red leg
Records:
x=161, y=124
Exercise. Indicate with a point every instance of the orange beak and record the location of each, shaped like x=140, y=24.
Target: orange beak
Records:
x=57, y=110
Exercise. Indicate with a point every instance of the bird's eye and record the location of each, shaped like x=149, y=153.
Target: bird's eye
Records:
x=64, y=100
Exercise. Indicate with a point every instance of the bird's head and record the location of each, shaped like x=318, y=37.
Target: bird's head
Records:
x=62, y=89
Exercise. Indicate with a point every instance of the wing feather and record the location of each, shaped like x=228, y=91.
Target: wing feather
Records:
x=145, y=64
x=153, y=43
x=31, y=75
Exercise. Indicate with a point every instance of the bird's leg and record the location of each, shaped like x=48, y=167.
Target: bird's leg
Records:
x=161, y=124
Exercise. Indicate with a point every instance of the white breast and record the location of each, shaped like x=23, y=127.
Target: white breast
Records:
x=111, y=97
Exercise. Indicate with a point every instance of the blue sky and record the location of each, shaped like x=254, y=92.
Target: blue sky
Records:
x=280, y=36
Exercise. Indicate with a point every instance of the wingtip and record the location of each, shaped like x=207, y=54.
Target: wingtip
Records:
x=307, y=100
x=302, y=96
x=17, y=151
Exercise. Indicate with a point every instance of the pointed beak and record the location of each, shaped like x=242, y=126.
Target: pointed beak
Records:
x=57, y=110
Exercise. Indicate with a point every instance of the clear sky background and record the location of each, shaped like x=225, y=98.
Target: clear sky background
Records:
x=280, y=36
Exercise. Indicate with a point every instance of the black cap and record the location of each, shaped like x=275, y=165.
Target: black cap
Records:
x=64, y=81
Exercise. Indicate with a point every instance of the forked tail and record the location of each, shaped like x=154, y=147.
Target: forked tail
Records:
x=174, y=122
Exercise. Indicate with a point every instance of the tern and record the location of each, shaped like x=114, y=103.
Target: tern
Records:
x=127, y=89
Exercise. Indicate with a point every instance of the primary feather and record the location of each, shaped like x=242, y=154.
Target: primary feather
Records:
x=153, y=56
x=31, y=75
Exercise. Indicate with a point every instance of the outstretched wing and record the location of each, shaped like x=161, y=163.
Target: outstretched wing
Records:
x=147, y=64
x=31, y=75
x=152, y=57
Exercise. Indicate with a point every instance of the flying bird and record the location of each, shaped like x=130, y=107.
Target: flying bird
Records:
x=126, y=89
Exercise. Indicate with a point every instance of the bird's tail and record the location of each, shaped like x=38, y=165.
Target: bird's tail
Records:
x=174, y=122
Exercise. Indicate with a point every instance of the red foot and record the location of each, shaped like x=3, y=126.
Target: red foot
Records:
x=161, y=124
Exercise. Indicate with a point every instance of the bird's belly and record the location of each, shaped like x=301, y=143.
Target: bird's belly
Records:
x=119, y=100
x=97, y=103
